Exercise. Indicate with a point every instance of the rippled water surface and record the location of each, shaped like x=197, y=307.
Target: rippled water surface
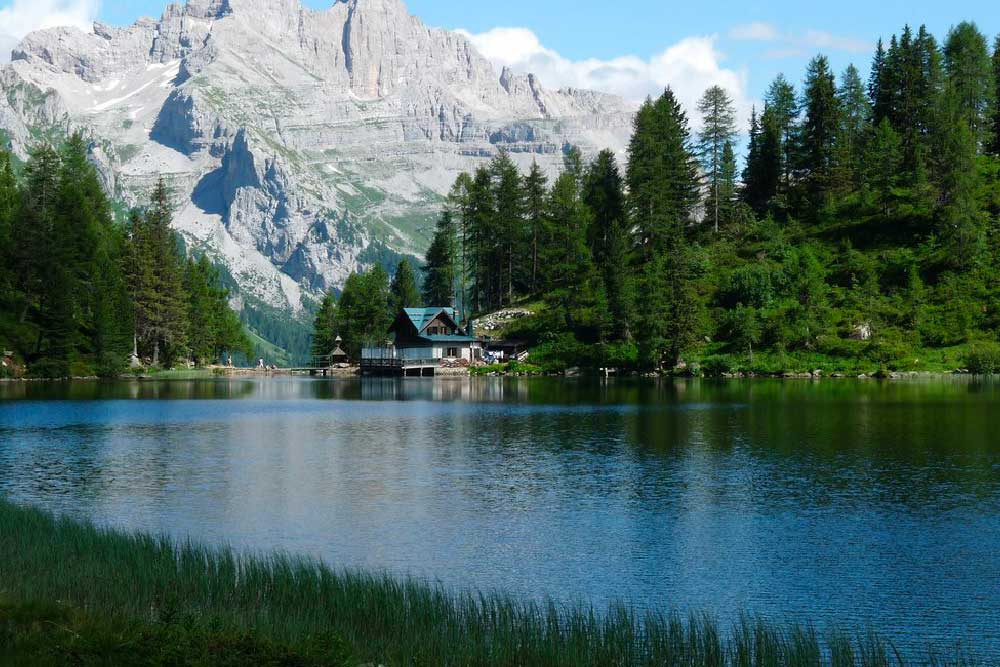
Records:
x=845, y=504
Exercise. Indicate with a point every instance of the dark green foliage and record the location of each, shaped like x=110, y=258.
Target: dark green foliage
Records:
x=325, y=327
x=77, y=291
x=404, y=288
x=155, y=269
x=970, y=78
x=442, y=264
x=763, y=173
x=983, y=359
x=213, y=328
x=820, y=129
x=994, y=146
x=364, y=312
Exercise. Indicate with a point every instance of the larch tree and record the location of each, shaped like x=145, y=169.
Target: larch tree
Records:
x=535, y=195
x=718, y=129
x=970, y=78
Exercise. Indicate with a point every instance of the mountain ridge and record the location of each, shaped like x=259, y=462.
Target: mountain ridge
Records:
x=294, y=139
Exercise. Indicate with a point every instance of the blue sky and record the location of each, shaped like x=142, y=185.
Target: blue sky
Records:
x=630, y=47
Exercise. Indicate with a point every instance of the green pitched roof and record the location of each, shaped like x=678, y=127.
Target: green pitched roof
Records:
x=421, y=317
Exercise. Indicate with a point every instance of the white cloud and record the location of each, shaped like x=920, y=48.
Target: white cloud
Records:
x=688, y=67
x=755, y=32
x=821, y=39
x=796, y=44
x=19, y=17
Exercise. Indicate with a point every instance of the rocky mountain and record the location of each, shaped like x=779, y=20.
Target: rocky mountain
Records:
x=298, y=142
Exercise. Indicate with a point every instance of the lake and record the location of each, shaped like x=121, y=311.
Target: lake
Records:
x=847, y=504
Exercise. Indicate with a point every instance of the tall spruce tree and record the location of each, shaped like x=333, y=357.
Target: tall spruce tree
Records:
x=718, y=129
x=610, y=240
x=763, y=171
x=995, y=143
x=782, y=103
x=604, y=195
x=325, y=326
x=819, y=129
x=508, y=229
x=970, y=78
x=575, y=299
x=855, y=116
x=663, y=190
x=441, y=263
x=10, y=203
x=961, y=221
x=662, y=173
x=404, y=288
x=155, y=273
x=535, y=197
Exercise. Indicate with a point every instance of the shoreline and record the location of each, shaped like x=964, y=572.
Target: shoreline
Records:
x=459, y=374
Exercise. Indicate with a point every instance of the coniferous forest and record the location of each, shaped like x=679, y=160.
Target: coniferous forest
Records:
x=80, y=293
x=860, y=232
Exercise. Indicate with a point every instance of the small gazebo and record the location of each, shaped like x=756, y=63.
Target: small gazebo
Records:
x=338, y=356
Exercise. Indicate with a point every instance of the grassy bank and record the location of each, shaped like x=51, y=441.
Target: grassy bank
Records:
x=71, y=593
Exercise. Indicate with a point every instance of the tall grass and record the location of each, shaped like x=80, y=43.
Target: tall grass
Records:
x=299, y=603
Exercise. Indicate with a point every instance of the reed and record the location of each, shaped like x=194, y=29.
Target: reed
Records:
x=69, y=588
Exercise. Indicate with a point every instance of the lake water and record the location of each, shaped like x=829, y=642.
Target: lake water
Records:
x=848, y=504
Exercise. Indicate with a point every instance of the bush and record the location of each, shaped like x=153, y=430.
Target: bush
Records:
x=716, y=366
x=983, y=359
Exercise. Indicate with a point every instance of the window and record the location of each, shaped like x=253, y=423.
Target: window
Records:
x=453, y=352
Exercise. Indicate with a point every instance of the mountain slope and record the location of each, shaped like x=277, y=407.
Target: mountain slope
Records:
x=294, y=139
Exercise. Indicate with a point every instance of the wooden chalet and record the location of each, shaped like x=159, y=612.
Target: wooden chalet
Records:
x=423, y=339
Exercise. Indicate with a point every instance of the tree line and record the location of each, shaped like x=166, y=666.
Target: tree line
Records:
x=80, y=292
x=863, y=224
x=364, y=310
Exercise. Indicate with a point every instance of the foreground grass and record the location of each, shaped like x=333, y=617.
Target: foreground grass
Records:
x=71, y=593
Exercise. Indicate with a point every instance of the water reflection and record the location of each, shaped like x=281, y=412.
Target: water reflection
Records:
x=846, y=503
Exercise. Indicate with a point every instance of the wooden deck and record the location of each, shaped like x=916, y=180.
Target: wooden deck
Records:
x=399, y=367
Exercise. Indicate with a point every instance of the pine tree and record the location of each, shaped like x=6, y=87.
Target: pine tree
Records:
x=881, y=167
x=441, y=263
x=10, y=203
x=995, y=144
x=718, y=129
x=662, y=172
x=604, y=195
x=535, y=194
x=819, y=129
x=576, y=299
x=727, y=184
x=155, y=271
x=610, y=240
x=480, y=240
x=325, y=327
x=855, y=116
x=878, y=88
x=362, y=312
x=970, y=77
x=404, y=288
x=762, y=175
x=508, y=228
x=781, y=102
x=960, y=219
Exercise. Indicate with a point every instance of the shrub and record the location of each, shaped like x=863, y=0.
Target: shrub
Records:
x=716, y=366
x=983, y=359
